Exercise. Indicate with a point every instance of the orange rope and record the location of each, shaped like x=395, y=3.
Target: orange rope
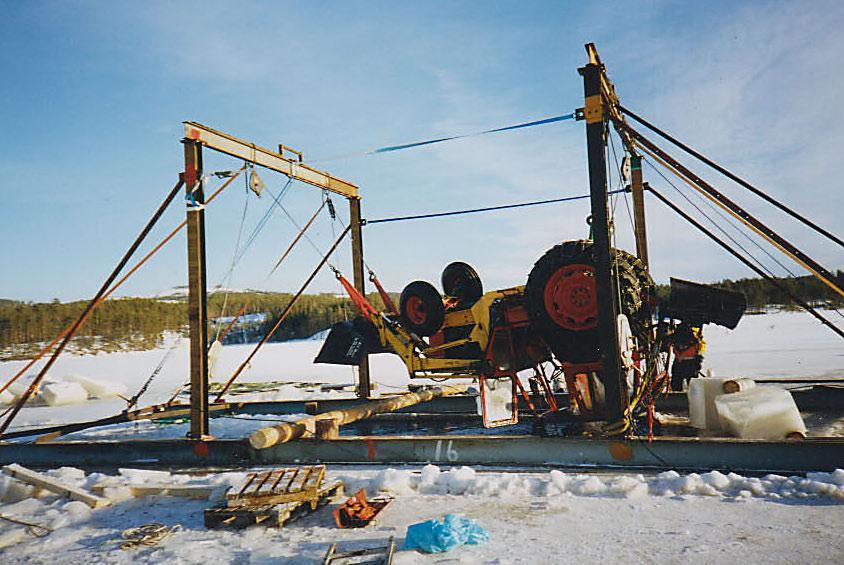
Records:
x=298, y=237
x=116, y=285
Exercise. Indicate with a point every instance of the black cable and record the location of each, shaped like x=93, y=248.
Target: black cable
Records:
x=749, y=264
x=711, y=221
x=818, y=270
x=829, y=305
x=733, y=177
x=488, y=209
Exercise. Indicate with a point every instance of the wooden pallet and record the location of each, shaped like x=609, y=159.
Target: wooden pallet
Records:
x=270, y=515
x=277, y=486
x=370, y=556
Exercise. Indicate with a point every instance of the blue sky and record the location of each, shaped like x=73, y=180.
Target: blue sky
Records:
x=93, y=95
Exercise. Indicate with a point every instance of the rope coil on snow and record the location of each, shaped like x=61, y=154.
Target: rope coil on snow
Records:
x=148, y=534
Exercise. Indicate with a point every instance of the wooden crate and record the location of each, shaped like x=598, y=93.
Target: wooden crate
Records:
x=270, y=515
x=277, y=486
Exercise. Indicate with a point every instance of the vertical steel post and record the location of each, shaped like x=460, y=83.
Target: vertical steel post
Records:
x=197, y=307
x=595, y=114
x=359, y=280
x=638, y=207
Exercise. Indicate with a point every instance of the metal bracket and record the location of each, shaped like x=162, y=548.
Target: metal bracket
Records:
x=594, y=110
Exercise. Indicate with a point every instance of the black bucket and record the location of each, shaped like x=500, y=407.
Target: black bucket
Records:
x=699, y=304
x=349, y=342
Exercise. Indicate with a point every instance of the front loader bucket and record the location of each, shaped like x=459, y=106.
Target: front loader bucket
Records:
x=699, y=304
x=349, y=342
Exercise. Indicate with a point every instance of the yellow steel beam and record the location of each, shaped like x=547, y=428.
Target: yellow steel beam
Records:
x=230, y=145
x=609, y=95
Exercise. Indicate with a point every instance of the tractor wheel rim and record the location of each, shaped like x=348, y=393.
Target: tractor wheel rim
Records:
x=570, y=297
x=416, y=310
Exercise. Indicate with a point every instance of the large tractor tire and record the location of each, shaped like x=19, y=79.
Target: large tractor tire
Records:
x=421, y=308
x=563, y=303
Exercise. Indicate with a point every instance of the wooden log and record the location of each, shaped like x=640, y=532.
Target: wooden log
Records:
x=287, y=431
x=43, y=481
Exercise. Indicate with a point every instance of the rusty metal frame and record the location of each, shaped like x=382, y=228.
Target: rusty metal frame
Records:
x=196, y=137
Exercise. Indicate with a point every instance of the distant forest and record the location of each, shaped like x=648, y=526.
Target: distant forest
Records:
x=761, y=293
x=140, y=323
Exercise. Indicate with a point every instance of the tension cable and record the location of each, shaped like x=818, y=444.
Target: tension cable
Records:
x=93, y=303
x=748, y=263
x=487, y=209
x=283, y=315
x=391, y=148
x=733, y=209
x=733, y=177
x=117, y=285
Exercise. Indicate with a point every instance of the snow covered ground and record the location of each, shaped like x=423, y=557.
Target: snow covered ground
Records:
x=532, y=517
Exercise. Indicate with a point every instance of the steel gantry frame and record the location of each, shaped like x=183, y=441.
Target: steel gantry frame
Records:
x=196, y=137
x=600, y=108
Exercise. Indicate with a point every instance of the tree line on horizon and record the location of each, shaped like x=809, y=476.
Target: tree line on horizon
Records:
x=141, y=323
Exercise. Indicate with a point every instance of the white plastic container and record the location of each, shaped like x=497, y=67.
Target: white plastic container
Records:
x=760, y=413
x=60, y=394
x=213, y=356
x=702, y=392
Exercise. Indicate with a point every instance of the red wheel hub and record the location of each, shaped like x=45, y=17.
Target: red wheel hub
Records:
x=415, y=310
x=570, y=297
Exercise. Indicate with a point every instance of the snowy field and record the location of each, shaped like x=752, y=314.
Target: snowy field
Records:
x=531, y=517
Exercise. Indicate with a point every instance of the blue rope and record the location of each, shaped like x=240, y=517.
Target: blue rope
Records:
x=489, y=209
x=496, y=130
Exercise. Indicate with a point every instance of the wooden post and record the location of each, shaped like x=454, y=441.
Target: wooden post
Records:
x=359, y=280
x=595, y=114
x=197, y=307
x=326, y=429
x=638, y=207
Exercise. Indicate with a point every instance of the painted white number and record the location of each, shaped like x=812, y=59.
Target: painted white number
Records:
x=450, y=453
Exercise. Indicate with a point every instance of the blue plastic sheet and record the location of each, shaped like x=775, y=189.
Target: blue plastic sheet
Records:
x=434, y=536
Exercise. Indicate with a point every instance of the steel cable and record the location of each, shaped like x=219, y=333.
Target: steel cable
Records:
x=733, y=177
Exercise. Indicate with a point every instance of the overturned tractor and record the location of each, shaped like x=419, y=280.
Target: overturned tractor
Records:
x=551, y=321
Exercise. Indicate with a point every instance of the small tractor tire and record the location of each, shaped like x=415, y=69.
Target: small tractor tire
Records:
x=421, y=308
x=461, y=282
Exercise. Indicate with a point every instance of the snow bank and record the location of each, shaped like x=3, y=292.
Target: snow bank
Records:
x=74, y=521
x=97, y=388
x=466, y=481
x=61, y=394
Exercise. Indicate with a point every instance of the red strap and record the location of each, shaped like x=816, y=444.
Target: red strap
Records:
x=385, y=297
x=360, y=300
